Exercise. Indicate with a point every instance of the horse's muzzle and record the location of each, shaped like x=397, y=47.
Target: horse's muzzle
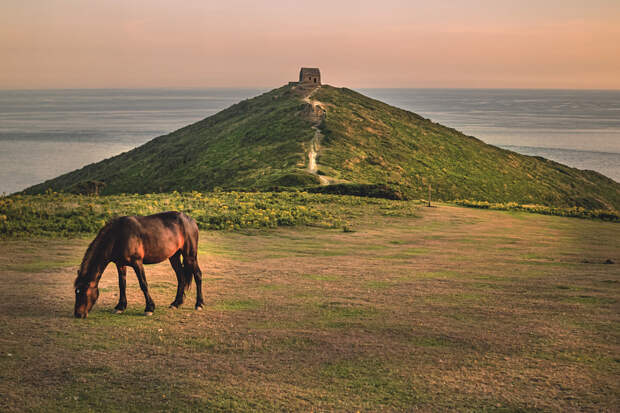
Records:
x=80, y=315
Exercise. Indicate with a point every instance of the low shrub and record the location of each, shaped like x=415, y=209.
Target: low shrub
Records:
x=578, y=212
x=63, y=214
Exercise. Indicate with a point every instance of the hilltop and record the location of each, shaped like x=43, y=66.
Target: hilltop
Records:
x=304, y=138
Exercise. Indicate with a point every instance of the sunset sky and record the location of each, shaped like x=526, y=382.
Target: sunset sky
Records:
x=249, y=43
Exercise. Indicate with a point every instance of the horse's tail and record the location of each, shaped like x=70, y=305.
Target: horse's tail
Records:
x=188, y=273
x=190, y=260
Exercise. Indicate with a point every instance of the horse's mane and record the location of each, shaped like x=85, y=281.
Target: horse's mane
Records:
x=90, y=253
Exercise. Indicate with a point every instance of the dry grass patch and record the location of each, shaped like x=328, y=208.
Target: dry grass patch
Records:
x=460, y=309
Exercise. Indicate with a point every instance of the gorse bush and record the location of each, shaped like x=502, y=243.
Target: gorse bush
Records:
x=577, y=212
x=61, y=214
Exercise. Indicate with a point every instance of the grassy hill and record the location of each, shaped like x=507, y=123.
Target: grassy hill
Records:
x=370, y=141
x=263, y=142
x=255, y=143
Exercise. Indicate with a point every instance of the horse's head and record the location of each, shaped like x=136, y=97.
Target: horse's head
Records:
x=86, y=295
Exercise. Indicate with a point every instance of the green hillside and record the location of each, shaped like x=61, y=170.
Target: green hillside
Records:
x=256, y=143
x=369, y=141
x=263, y=142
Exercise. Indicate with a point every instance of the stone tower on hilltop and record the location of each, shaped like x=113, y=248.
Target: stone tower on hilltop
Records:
x=310, y=76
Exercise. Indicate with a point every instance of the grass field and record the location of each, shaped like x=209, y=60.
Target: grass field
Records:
x=457, y=308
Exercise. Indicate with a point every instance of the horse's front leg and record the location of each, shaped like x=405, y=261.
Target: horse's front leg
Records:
x=122, y=286
x=150, y=304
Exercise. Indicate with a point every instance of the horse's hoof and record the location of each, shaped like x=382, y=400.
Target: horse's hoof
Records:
x=117, y=311
x=198, y=308
x=174, y=307
x=148, y=313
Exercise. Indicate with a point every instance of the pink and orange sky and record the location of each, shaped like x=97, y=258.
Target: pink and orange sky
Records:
x=243, y=43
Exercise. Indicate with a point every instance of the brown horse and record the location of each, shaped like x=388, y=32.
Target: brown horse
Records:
x=134, y=241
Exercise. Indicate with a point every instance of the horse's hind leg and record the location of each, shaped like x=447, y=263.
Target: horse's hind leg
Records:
x=175, y=261
x=122, y=285
x=192, y=265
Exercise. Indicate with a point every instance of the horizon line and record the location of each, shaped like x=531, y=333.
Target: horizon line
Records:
x=326, y=84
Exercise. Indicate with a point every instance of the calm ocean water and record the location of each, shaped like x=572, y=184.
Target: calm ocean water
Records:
x=46, y=133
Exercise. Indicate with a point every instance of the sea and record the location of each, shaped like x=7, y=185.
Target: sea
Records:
x=45, y=133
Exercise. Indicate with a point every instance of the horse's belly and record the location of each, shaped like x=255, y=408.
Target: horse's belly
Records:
x=153, y=260
x=153, y=257
x=153, y=249
x=161, y=251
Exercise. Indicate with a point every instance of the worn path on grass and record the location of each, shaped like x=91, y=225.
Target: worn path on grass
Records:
x=315, y=144
x=457, y=309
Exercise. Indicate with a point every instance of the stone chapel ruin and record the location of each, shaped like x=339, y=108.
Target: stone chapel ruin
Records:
x=310, y=75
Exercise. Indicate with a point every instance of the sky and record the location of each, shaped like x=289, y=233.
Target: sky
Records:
x=571, y=44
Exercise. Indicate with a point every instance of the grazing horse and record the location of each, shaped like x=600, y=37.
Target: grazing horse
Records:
x=134, y=241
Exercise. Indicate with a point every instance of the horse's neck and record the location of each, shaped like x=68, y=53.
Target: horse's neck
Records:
x=96, y=268
x=96, y=261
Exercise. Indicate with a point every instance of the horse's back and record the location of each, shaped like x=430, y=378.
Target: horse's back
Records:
x=157, y=237
x=188, y=228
